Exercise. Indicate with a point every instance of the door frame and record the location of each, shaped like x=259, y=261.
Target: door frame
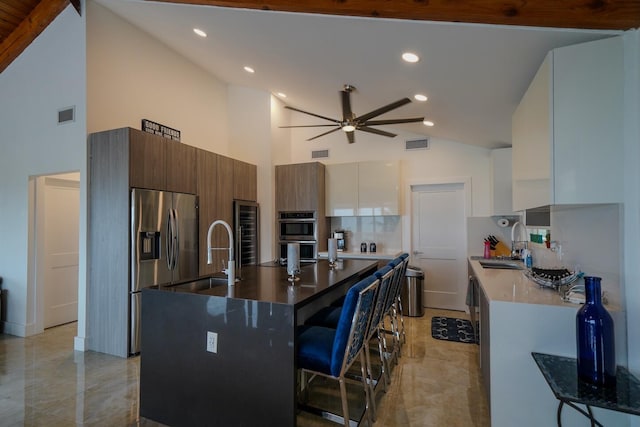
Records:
x=36, y=257
x=407, y=229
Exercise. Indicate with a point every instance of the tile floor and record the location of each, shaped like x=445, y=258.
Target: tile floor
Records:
x=43, y=382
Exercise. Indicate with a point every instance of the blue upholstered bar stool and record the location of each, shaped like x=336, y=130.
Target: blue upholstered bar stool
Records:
x=330, y=352
x=393, y=308
x=404, y=262
x=329, y=317
x=385, y=275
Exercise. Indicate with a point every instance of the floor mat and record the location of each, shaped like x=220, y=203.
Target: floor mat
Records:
x=452, y=329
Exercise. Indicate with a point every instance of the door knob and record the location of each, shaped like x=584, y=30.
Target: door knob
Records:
x=417, y=252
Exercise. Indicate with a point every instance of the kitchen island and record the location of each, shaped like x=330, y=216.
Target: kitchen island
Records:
x=220, y=356
x=518, y=317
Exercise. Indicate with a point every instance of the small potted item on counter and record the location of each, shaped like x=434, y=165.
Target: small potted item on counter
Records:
x=372, y=247
x=363, y=247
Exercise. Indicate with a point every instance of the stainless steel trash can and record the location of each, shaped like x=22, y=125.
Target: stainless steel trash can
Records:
x=412, y=292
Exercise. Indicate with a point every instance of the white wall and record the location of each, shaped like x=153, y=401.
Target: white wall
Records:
x=250, y=141
x=631, y=235
x=49, y=75
x=132, y=76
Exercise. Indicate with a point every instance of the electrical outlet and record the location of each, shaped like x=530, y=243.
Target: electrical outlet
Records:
x=212, y=342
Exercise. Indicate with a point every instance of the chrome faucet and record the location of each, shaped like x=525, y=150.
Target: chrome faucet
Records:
x=521, y=243
x=230, y=271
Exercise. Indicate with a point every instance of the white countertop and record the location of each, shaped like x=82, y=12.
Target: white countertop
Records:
x=514, y=286
x=384, y=254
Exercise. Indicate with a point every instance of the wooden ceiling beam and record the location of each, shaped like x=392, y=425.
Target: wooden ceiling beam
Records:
x=585, y=14
x=30, y=28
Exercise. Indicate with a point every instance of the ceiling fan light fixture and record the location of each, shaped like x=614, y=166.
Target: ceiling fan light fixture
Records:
x=410, y=57
x=249, y=69
x=348, y=128
x=428, y=123
x=420, y=97
x=199, y=32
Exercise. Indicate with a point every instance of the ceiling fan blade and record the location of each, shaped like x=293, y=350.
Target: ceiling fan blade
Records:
x=383, y=110
x=351, y=137
x=393, y=121
x=347, y=114
x=305, y=126
x=323, y=134
x=312, y=114
x=376, y=131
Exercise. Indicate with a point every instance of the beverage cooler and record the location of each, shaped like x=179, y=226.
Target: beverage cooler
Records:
x=246, y=224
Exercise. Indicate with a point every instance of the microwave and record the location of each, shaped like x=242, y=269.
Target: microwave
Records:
x=297, y=226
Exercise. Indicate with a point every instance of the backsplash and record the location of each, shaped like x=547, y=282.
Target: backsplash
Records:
x=385, y=231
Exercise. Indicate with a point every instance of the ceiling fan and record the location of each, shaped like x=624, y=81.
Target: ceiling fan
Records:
x=350, y=122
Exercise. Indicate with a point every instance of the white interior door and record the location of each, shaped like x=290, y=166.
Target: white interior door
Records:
x=60, y=278
x=438, y=230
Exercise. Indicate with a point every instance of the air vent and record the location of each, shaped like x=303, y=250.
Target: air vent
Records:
x=417, y=144
x=67, y=115
x=320, y=154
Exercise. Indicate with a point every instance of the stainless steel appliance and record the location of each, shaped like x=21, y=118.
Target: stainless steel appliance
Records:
x=164, y=246
x=246, y=222
x=299, y=227
x=340, y=236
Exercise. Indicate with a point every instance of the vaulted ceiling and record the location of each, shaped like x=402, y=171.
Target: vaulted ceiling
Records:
x=21, y=21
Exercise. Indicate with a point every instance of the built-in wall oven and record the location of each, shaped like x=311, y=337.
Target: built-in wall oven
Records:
x=299, y=227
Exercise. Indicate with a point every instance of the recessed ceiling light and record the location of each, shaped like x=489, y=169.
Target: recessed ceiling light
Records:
x=410, y=57
x=249, y=69
x=199, y=32
x=281, y=95
x=428, y=123
x=420, y=97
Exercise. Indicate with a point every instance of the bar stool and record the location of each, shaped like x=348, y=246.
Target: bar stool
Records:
x=331, y=352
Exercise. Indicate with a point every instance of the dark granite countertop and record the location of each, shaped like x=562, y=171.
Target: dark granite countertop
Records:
x=270, y=284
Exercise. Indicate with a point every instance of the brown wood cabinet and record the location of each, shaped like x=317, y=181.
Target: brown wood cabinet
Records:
x=180, y=168
x=158, y=163
x=300, y=187
x=221, y=180
x=147, y=160
x=207, y=167
x=245, y=181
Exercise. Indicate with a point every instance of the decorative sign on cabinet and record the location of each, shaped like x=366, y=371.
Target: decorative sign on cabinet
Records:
x=363, y=189
x=567, y=129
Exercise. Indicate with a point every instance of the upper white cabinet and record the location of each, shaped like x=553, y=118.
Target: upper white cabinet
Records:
x=363, y=189
x=567, y=129
x=501, y=194
x=341, y=189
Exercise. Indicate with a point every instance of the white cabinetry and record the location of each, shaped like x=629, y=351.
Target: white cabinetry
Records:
x=363, y=189
x=501, y=193
x=567, y=129
x=341, y=189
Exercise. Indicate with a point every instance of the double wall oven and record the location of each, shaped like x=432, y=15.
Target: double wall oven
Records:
x=299, y=227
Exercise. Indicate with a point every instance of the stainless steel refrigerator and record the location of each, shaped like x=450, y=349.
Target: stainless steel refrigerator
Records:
x=164, y=246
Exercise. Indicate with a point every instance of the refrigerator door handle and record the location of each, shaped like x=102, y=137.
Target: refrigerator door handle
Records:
x=176, y=239
x=170, y=240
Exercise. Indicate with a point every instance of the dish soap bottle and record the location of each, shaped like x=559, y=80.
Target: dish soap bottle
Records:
x=528, y=260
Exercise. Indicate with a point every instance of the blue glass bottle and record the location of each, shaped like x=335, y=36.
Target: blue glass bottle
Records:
x=595, y=338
